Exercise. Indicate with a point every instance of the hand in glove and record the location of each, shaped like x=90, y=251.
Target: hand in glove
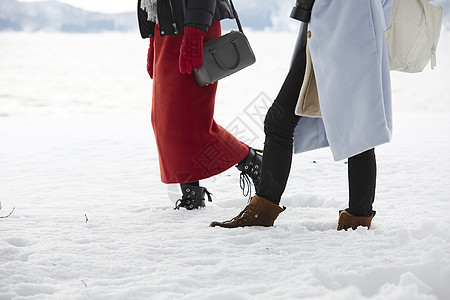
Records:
x=191, y=51
x=150, y=55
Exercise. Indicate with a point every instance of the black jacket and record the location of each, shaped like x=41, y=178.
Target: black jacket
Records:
x=199, y=13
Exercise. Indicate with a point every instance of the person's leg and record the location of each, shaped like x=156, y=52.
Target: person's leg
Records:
x=362, y=174
x=279, y=128
x=194, y=183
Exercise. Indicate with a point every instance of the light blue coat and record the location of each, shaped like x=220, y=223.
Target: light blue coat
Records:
x=350, y=59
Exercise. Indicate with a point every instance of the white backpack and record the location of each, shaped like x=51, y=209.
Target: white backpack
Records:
x=413, y=35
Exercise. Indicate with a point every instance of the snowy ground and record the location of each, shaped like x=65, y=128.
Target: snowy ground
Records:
x=92, y=220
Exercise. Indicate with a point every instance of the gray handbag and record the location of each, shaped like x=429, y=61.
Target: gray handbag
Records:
x=225, y=55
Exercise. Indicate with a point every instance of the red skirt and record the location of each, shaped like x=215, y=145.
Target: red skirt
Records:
x=191, y=145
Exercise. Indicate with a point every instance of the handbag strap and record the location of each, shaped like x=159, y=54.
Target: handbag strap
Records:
x=236, y=17
x=238, y=22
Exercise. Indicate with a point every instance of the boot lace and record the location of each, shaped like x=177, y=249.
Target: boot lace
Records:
x=245, y=184
x=252, y=171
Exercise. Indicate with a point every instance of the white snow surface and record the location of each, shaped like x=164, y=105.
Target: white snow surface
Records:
x=92, y=220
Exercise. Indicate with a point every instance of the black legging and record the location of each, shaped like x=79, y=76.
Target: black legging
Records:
x=279, y=128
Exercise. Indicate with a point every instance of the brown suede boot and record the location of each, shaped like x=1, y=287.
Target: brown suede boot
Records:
x=347, y=220
x=259, y=212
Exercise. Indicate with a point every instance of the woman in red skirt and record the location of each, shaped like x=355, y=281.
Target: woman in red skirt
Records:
x=191, y=145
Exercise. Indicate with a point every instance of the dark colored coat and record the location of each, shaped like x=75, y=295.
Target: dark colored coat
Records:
x=199, y=14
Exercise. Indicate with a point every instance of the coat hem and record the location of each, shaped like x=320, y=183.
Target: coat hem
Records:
x=206, y=176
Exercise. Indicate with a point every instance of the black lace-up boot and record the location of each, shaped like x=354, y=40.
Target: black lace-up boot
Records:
x=193, y=197
x=250, y=167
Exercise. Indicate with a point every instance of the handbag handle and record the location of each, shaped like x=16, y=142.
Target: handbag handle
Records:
x=238, y=61
x=236, y=17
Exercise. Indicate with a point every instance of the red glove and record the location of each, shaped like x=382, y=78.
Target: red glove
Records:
x=191, y=51
x=150, y=55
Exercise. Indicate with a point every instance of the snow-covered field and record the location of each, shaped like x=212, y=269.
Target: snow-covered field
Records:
x=93, y=221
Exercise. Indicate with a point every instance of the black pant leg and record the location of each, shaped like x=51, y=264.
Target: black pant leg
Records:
x=279, y=128
x=362, y=174
x=194, y=183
